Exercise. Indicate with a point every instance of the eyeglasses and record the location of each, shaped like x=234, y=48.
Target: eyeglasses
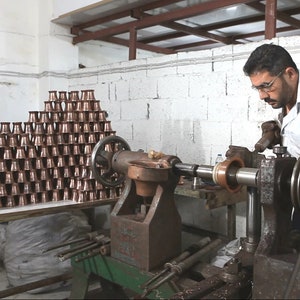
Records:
x=267, y=87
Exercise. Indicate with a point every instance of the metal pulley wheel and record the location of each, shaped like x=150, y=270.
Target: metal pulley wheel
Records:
x=295, y=186
x=101, y=160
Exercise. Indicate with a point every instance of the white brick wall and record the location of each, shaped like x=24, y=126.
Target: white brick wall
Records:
x=192, y=104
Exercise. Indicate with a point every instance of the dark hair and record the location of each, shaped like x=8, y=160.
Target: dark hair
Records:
x=269, y=57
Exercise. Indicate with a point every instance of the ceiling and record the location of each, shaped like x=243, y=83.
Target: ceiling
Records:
x=170, y=26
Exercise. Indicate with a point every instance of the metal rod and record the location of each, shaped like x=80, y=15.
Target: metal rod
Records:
x=184, y=265
x=88, y=236
x=253, y=225
x=74, y=249
x=247, y=176
x=34, y=285
x=182, y=256
x=71, y=254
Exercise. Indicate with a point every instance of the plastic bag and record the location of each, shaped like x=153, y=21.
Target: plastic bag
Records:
x=24, y=258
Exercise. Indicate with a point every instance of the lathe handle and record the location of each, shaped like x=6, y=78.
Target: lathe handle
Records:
x=270, y=136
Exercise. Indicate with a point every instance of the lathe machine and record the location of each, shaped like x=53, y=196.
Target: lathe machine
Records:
x=145, y=254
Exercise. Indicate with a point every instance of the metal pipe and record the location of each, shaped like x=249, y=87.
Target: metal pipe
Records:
x=247, y=176
x=253, y=225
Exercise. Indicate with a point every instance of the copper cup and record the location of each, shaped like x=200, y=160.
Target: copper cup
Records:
x=60, y=162
x=66, y=195
x=81, y=138
x=33, y=198
x=96, y=105
x=31, y=152
x=24, y=140
x=22, y=200
x=101, y=194
x=28, y=127
x=60, y=184
x=44, y=117
x=52, y=96
x=55, y=116
x=49, y=185
x=9, y=177
x=67, y=173
x=38, y=187
x=71, y=183
x=82, y=197
x=86, y=184
x=50, y=163
x=21, y=176
x=75, y=195
x=55, y=195
x=74, y=95
x=44, y=151
x=3, y=140
x=5, y=127
x=39, y=128
x=68, y=116
x=92, y=138
x=39, y=164
x=71, y=138
x=57, y=106
x=70, y=106
x=60, y=138
x=91, y=116
x=12, y=140
x=81, y=116
x=102, y=115
x=32, y=176
x=71, y=161
x=33, y=116
x=3, y=167
x=76, y=127
x=8, y=154
x=88, y=149
x=17, y=128
x=79, y=106
x=14, y=165
x=27, y=164
x=38, y=139
x=86, y=105
x=48, y=106
x=62, y=95
x=56, y=172
x=87, y=95
x=10, y=201
x=27, y=188
x=44, y=197
x=76, y=149
x=3, y=192
x=86, y=127
x=55, y=151
x=76, y=171
x=92, y=196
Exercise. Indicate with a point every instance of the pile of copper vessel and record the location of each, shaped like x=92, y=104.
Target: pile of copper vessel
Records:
x=47, y=158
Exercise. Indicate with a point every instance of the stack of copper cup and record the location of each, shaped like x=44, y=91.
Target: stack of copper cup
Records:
x=47, y=158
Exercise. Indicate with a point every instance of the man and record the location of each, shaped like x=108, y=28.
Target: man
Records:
x=275, y=76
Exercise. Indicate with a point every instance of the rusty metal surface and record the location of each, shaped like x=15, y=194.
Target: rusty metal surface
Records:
x=146, y=230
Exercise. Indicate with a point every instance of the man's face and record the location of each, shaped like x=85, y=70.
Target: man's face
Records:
x=277, y=90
